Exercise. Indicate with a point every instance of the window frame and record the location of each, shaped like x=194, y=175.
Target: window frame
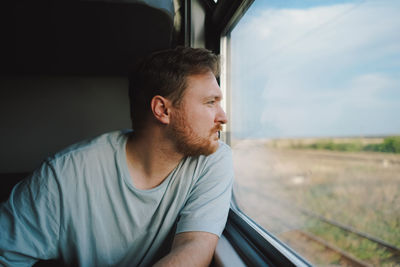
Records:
x=253, y=244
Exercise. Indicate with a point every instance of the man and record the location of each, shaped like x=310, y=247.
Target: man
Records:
x=122, y=199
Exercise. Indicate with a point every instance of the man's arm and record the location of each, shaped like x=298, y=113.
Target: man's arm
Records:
x=29, y=220
x=202, y=219
x=190, y=249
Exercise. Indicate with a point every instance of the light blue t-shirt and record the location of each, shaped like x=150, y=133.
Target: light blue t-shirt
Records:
x=81, y=206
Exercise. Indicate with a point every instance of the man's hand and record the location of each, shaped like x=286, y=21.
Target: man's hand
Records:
x=190, y=249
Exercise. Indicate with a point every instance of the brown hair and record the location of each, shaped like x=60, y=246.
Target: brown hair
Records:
x=165, y=73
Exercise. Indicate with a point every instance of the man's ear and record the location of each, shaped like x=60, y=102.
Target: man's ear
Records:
x=160, y=106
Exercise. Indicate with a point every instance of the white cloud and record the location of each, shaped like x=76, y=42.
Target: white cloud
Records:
x=319, y=67
x=280, y=35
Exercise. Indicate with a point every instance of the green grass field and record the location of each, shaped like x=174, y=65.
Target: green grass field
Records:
x=360, y=189
x=389, y=144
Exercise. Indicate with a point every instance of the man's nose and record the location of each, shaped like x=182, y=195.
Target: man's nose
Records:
x=221, y=116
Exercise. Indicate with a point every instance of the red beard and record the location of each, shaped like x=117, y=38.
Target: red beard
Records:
x=187, y=141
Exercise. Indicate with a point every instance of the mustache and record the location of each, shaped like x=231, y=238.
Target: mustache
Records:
x=217, y=128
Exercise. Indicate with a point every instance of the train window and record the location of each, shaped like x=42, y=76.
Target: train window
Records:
x=314, y=103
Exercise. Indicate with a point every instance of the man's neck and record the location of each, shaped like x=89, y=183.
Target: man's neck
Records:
x=150, y=158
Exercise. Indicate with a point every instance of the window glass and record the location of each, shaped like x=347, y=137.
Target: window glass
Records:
x=315, y=126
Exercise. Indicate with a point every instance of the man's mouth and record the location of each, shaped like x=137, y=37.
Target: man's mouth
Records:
x=216, y=131
x=217, y=128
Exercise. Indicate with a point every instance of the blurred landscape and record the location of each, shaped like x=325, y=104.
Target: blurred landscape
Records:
x=298, y=188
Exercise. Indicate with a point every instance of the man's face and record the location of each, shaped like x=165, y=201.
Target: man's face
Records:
x=195, y=123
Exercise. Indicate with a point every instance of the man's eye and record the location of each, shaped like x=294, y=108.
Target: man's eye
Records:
x=212, y=102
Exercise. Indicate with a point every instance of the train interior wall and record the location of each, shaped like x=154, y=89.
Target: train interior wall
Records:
x=42, y=114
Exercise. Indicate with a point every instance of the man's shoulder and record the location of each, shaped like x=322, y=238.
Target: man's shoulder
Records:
x=222, y=158
x=223, y=147
x=223, y=150
x=106, y=142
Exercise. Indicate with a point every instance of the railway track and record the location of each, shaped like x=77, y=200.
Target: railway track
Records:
x=294, y=233
x=349, y=229
x=302, y=242
x=344, y=258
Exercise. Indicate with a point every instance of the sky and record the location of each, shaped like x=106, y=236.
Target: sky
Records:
x=316, y=69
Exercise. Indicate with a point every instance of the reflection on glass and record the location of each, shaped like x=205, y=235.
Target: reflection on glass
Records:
x=315, y=124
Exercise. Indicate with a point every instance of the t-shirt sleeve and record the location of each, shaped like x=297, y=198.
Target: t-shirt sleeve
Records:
x=29, y=220
x=208, y=204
